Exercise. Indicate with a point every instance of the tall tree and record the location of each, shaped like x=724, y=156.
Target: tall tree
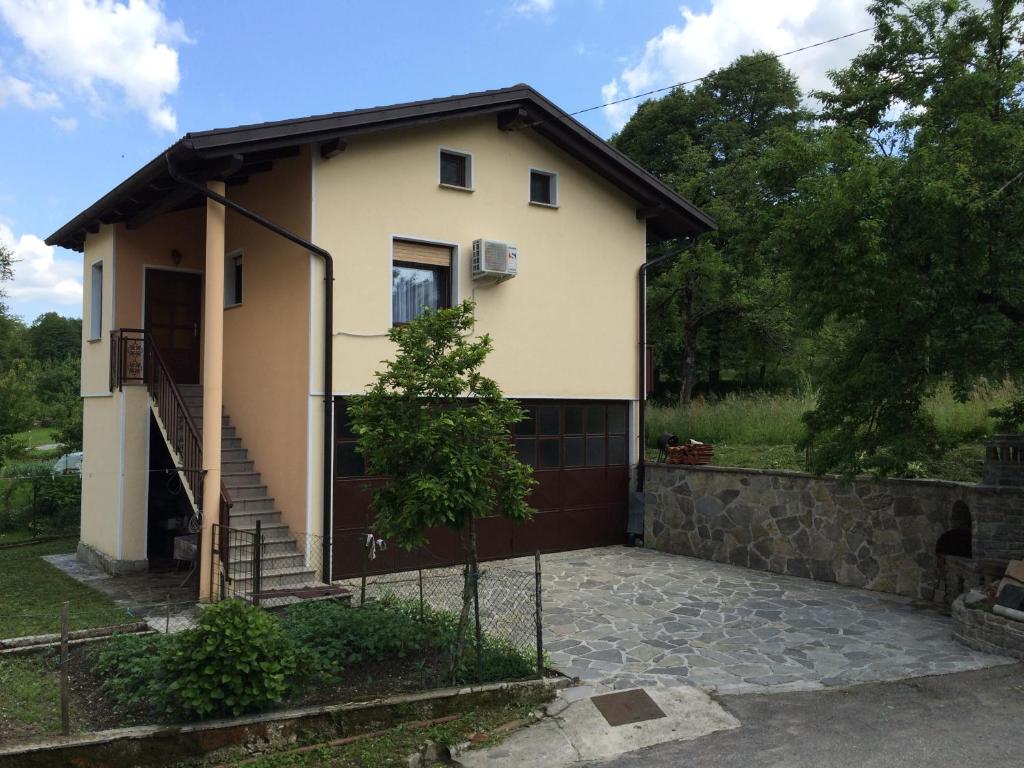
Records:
x=52, y=337
x=909, y=233
x=708, y=144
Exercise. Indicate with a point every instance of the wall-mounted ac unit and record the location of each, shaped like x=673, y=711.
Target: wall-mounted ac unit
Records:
x=494, y=261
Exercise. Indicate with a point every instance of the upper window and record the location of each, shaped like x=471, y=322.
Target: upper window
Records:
x=543, y=187
x=456, y=169
x=421, y=278
x=233, y=279
x=96, y=301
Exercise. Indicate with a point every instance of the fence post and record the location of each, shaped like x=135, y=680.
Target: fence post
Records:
x=65, y=711
x=537, y=612
x=420, y=574
x=476, y=615
x=257, y=566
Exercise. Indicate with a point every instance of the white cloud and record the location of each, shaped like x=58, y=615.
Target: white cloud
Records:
x=20, y=93
x=93, y=47
x=65, y=124
x=730, y=28
x=534, y=7
x=40, y=279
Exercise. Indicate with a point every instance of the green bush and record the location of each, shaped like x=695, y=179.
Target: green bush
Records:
x=236, y=660
x=33, y=498
x=133, y=669
x=341, y=636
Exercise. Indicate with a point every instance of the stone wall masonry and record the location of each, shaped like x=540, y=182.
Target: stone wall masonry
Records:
x=985, y=631
x=879, y=535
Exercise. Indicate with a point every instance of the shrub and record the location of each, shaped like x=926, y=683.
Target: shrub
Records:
x=236, y=660
x=132, y=668
x=341, y=636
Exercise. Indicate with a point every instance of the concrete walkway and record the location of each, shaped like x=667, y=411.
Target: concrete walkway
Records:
x=621, y=617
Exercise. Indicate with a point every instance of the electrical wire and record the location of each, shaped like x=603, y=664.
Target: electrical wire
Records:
x=695, y=80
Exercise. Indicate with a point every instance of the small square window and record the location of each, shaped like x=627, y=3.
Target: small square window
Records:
x=543, y=188
x=456, y=169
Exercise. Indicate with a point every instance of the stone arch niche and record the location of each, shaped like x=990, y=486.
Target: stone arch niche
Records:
x=954, y=555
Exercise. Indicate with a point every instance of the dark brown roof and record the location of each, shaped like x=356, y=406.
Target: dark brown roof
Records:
x=215, y=154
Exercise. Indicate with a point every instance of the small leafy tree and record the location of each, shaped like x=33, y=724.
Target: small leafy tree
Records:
x=439, y=429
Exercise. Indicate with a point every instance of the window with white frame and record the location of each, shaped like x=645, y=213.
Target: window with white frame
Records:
x=233, y=279
x=543, y=187
x=96, y=301
x=455, y=169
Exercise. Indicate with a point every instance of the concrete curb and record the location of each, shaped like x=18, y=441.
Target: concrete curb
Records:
x=155, y=745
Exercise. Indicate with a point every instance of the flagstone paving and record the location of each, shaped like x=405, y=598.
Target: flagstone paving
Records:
x=624, y=617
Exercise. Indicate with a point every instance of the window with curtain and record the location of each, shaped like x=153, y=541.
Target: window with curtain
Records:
x=420, y=279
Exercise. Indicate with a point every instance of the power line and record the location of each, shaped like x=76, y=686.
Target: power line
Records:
x=700, y=79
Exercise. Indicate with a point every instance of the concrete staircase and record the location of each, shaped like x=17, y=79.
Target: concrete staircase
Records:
x=283, y=562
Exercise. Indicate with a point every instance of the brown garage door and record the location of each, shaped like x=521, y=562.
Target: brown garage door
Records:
x=580, y=454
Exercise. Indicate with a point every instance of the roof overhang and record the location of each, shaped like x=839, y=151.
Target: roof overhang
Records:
x=233, y=154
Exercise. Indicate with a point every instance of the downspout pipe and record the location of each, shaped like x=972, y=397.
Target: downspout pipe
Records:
x=328, y=350
x=642, y=359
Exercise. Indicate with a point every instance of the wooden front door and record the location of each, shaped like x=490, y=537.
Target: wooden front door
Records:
x=173, y=312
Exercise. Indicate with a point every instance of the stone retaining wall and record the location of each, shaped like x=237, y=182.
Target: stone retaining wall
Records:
x=985, y=631
x=879, y=535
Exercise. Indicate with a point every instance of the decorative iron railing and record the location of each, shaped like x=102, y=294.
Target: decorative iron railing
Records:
x=135, y=359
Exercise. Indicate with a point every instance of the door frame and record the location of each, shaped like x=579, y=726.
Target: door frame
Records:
x=202, y=303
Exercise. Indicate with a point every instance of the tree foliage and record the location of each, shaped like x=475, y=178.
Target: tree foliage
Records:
x=439, y=429
x=909, y=231
x=723, y=301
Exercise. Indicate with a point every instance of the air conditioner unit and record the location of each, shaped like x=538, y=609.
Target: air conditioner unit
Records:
x=493, y=260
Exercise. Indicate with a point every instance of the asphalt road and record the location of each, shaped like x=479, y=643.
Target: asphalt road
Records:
x=963, y=720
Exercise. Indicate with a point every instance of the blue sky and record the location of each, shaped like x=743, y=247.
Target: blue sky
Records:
x=92, y=89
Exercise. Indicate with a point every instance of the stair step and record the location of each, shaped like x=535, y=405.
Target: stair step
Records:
x=230, y=443
x=236, y=465
x=277, y=578
x=233, y=454
x=252, y=504
x=242, y=568
x=239, y=479
x=247, y=518
x=243, y=492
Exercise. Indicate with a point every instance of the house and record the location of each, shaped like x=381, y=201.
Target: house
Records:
x=245, y=272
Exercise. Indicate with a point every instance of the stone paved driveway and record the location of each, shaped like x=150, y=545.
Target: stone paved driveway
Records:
x=622, y=617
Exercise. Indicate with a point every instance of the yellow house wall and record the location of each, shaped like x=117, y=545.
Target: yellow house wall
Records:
x=266, y=338
x=96, y=352
x=565, y=327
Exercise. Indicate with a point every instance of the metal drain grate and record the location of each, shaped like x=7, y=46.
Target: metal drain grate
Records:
x=625, y=707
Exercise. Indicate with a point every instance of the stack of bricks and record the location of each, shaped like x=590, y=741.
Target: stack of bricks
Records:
x=691, y=453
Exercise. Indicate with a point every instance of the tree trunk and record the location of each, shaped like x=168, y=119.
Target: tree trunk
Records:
x=469, y=574
x=688, y=372
x=715, y=366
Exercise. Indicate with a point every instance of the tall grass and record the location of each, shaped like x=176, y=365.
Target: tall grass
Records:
x=768, y=419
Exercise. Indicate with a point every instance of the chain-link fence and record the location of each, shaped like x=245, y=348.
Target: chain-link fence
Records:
x=273, y=568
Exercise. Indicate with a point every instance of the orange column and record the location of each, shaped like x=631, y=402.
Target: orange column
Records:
x=213, y=378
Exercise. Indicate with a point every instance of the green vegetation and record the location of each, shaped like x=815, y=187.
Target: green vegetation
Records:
x=761, y=430
x=872, y=248
x=439, y=429
x=35, y=500
x=33, y=592
x=29, y=697
x=242, y=659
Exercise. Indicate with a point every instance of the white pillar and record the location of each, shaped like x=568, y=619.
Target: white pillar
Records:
x=213, y=377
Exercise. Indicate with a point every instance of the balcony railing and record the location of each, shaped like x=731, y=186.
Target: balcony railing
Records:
x=135, y=359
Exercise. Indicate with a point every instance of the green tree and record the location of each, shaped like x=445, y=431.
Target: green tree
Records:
x=439, y=430
x=908, y=234
x=52, y=337
x=708, y=144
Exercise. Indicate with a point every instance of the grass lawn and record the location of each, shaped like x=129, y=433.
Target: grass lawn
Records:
x=38, y=436
x=29, y=698
x=34, y=590
x=761, y=430
x=390, y=749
